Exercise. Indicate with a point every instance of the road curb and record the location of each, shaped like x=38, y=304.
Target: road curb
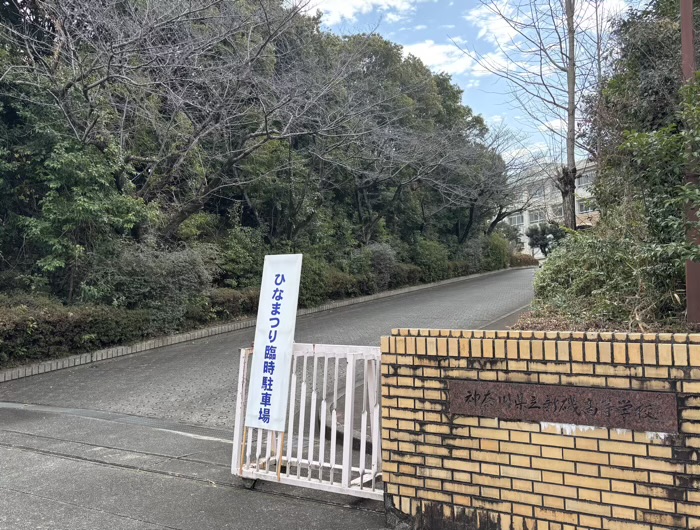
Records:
x=119, y=351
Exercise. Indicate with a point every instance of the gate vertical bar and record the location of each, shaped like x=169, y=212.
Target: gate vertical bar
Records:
x=241, y=402
x=348, y=423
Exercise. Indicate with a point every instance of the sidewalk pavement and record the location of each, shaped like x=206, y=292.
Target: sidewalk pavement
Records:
x=84, y=470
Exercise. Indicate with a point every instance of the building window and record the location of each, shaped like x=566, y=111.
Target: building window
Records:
x=585, y=206
x=537, y=192
x=585, y=180
x=516, y=220
x=538, y=215
x=558, y=211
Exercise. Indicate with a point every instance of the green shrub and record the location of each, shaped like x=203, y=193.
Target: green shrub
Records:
x=432, y=258
x=226, y=303
x=313, y=290
x=251, y=299
x=142, y=277
x=45, y=329
x=496, y=253
x=523, y=260
x=607, y=276
x=405, y=275
x=373, y=267
x=241, y=257
x=455, y=269
x=340, y=284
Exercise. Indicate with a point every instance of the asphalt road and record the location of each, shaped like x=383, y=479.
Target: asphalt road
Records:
x=142, y=441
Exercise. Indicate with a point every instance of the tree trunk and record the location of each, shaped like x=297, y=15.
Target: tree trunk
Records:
x=568, y=175
x=566, y=182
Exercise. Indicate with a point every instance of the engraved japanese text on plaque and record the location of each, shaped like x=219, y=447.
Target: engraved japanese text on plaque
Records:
x=599, y=407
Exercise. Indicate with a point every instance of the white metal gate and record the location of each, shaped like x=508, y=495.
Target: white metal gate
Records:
x=312, y=452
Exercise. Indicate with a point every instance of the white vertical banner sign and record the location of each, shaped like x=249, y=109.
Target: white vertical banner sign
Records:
x=268, y=392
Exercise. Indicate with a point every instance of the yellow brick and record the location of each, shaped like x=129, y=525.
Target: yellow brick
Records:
x=619, y=353
x=563, y=353
x=487, y=348
x=553, y=440
x=660, y=451
x=587, y=507
x=623, y=448
x=512, y=349
x=605, y=352
x=621, y=460
x=586, y=456
x=587, y=482
x=516, y=472
x=486, y=480
x=658, y=465
x=490, y=469
x=588, y=495
x=521, y=497
x=694, y=355
x=522, y=485
x=550, y=477
x=609, y=524
x=491, y=493
x=499, y=348
x=461, y=465
x=591, y=352
x=521, y=509
x=494, y=434
x=550, y=350
x=553, y=465
x=621, y=499
x=618, y=382
x=590, y=521
x=554, y=489
x=634, y=352
x=649, y=353
x=407, y=491
x=522, y=449
x=552, y=452
x=408, y=481
x=680, y=355
x=577, y=351
x=520, y=437
x=665, y=353
x=586, y=444
x=434, y=496
x=665, y=479
x=492, y=458
x=619, y=486
x=553, y=502
x=492, y=505
x=464, y=489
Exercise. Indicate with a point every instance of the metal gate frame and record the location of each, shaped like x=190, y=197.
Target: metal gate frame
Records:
x=259, y=453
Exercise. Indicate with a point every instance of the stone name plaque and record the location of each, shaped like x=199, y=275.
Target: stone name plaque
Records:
x=598, y=407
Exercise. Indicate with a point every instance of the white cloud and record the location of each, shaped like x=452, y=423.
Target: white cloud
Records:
x=491, y=25
x=393, y=17
x=337, y=11
x=556, y=125
x=420, y=27
x=441, y=57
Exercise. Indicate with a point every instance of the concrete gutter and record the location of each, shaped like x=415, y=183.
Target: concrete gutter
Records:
x=120, y=351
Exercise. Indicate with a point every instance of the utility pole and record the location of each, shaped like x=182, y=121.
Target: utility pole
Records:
x=692, y=268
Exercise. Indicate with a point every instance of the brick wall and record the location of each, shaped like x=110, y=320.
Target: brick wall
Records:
x=445, y=470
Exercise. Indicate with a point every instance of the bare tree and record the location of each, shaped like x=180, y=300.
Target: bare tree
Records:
x=551, y=60
x=185, y=91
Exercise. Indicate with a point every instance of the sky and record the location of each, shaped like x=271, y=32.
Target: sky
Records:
x=434, y=31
